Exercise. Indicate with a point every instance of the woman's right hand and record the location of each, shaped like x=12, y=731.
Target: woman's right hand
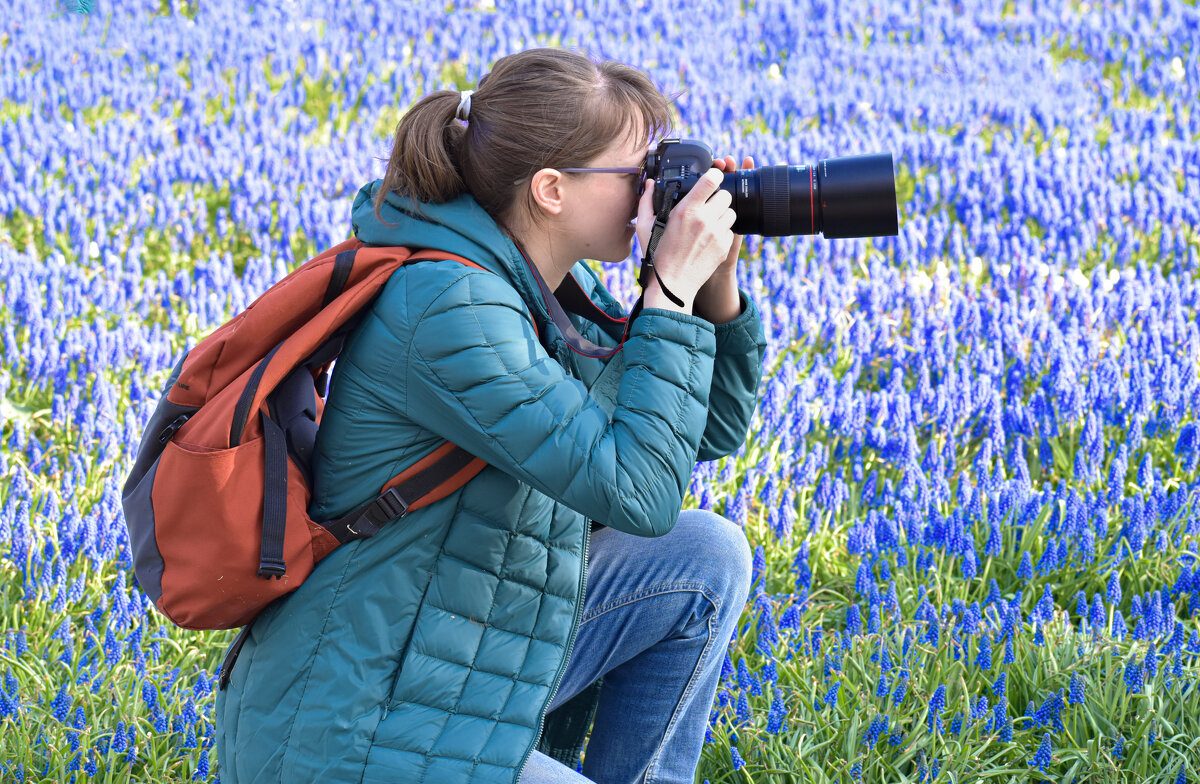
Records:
x=696, y=241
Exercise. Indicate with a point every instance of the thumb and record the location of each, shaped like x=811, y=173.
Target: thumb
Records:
x=645, y=216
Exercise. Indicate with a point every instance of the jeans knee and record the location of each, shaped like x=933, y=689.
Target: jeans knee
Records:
x=720, y=549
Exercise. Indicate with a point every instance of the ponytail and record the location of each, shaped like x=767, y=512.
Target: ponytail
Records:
x=424, y=162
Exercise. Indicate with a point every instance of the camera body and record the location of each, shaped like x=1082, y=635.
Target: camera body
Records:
x=852, y=196
x=678, y=161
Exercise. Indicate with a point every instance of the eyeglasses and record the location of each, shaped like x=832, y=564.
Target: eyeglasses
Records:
x=609, y=169
x=640, y=171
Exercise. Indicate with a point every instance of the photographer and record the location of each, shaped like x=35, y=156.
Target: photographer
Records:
x=475, y=639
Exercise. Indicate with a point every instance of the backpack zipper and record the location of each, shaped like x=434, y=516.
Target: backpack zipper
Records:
x=562, y=668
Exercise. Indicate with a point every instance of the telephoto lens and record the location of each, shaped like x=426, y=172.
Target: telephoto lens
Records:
x=853, y=196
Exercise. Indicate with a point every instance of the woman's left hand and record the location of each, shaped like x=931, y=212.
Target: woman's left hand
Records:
x=729, y=266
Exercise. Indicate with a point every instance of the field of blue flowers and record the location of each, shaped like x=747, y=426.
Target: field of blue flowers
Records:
x=972, y=482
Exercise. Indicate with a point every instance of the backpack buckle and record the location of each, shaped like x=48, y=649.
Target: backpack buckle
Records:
x=388, y=506
x=269, y=568
x=392, y=504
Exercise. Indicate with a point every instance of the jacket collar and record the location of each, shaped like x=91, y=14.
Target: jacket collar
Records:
x=459, y=226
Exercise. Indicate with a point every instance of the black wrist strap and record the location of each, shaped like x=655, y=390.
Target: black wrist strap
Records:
x=660, y=224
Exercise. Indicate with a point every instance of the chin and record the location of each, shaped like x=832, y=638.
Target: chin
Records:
x=616, y=255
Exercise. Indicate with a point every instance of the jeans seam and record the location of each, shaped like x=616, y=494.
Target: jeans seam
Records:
x=646, y=593
x=649, y=778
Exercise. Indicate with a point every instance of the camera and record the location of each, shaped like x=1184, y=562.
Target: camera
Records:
x=854, y=196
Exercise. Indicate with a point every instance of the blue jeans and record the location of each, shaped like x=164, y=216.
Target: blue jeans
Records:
x=657, y=620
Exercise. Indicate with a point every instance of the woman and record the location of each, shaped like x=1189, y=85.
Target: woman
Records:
x=434, y=651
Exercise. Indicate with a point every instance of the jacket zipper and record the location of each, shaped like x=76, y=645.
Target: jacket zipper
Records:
x=562, y=668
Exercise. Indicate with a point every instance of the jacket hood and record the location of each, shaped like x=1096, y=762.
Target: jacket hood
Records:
x=458, y=226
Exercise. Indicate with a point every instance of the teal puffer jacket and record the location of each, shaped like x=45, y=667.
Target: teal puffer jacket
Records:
x=430, y=652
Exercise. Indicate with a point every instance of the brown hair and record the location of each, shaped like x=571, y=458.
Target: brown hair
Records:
x=535, y=109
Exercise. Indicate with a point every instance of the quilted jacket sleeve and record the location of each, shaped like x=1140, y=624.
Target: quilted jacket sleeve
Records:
x=477, y=376
x=737, y=370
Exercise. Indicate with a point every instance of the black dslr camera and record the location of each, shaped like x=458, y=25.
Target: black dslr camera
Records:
x=853, y=196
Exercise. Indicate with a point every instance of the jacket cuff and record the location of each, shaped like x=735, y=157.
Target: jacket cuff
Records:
x=638, y=311
x=672, y=327
x=745, y=329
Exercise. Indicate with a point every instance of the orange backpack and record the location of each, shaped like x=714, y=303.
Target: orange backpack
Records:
x=217, y=500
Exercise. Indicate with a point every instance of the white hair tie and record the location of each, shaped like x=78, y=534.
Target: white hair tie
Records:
x=464, y=105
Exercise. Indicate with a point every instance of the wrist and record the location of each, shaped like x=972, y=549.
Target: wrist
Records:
x=719, y=300
x=655, y=297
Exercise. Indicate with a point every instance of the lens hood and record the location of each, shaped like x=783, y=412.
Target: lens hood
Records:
x=858, y=196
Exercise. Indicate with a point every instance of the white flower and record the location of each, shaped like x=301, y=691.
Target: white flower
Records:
x=774, y=74
x=919, y=283
x=1177, y=69
x=93, y=250
x=1078, y=278
x=1105, y=278
x=975, y=267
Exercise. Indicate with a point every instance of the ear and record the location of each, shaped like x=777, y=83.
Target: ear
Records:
x=547, y=188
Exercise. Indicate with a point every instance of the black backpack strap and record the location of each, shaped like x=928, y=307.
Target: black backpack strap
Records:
x=241, y=411
x=231, y=656
x=274, y=501
x=365, y=521
x=342, y=265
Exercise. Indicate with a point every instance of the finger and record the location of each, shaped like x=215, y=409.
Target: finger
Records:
x=748, y=162
x=720, y=200
x=734, y=250
x=645, y=214
x=726, y=238
x=706, y=186
x=646, y=203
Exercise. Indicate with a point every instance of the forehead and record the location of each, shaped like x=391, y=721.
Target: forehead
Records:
x=628, y=150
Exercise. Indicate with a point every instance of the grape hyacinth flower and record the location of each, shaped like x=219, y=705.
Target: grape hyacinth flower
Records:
x=1041, y=760
x=1076, y=693
x=1133, y=677
x=777, y=715
x=936, y=705
x=983, y=659
x=1113, y=590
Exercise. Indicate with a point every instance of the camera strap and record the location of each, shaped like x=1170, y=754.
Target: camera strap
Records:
x=660, y=224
